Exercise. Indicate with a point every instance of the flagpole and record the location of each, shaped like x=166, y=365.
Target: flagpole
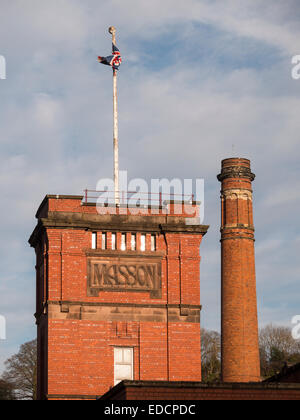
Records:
x=112, y=31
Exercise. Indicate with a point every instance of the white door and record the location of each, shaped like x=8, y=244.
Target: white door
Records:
x=123, y=364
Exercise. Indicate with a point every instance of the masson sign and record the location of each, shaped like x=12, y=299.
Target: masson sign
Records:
x=124, y=275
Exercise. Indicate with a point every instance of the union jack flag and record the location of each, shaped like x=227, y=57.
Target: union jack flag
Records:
x=112, y=60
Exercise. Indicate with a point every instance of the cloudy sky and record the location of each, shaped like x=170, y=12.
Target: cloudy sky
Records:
x=201, y=80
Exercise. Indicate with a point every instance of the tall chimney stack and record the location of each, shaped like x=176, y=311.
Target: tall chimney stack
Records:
x=240, y=348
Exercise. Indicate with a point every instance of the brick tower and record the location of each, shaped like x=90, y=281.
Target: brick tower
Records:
x=118, y=296
x=240, y=349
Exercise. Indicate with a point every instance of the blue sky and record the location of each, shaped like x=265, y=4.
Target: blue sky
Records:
x=197, y=78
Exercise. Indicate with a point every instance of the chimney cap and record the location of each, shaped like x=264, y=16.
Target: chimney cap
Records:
x=236, y=168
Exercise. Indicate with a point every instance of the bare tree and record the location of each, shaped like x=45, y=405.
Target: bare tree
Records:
x=277, y=348
x=211, y=355
x=6, y=391
x=21, y=371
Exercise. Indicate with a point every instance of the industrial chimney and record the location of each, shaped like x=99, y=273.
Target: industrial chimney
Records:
x=240, y=348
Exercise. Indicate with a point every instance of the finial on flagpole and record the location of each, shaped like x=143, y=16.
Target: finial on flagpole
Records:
x=112, y=31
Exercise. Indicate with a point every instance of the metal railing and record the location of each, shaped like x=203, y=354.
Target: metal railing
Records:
x=136, y=198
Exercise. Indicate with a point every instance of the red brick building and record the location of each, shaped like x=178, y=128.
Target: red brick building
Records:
x=118, y=296
x=118, y=300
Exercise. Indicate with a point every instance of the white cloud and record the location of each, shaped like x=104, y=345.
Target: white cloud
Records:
x=271, y=23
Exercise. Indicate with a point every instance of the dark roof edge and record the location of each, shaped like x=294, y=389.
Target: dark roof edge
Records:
x=201, y=385
x=284, y=372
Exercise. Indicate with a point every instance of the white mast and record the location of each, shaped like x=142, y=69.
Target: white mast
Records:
x=112, y=31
